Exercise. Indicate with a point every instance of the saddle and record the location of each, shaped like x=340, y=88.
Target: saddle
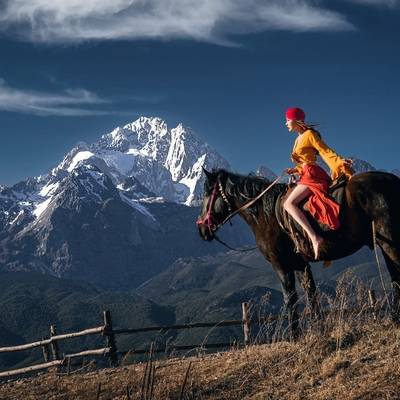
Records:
x=335, y=191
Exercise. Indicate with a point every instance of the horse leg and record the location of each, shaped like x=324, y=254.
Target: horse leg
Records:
x=392, y=260
x=390, y=246
x=288, y=283
x=306, y=279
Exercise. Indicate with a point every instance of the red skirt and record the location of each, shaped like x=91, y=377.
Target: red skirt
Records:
x=321, y=207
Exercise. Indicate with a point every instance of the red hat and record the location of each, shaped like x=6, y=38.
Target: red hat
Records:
x=295, y=113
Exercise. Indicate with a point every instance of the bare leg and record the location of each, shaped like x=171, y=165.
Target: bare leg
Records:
x=299, y=193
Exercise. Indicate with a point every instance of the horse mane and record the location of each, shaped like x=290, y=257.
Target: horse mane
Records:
x=249, y=186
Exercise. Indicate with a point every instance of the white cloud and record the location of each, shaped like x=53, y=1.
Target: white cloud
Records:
x=68, y=103
x=389, y=3
x=203, y=20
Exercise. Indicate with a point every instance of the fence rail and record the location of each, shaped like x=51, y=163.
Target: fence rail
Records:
x=50, y=346
x=177, y=327
x=41, y=343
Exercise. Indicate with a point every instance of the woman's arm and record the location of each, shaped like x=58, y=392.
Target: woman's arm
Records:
x=336, y=163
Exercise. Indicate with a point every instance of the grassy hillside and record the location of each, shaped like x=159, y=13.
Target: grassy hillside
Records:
x=349, y=355
x=212, y=288
x=209, y=288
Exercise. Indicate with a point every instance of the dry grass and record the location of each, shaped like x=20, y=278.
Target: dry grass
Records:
x=348, y=356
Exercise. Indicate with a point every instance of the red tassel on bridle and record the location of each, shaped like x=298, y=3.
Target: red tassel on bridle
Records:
x=208, y=219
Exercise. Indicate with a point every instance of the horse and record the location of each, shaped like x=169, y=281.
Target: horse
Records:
x=369, y=216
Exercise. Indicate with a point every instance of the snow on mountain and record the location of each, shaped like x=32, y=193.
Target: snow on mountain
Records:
x=41, y=207
x=133, y=189
x=396, y=172
x=361, y=165
x=265, y=172
x=86, y=182
x=80, y=156
x=146, y=161
x=166, y=161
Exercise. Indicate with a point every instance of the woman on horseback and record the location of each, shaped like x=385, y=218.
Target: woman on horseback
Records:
x=314, y=181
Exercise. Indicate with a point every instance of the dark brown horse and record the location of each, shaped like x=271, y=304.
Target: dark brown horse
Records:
x=371, y=209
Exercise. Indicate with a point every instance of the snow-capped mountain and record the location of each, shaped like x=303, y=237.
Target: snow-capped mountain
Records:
x=361, y=165
x=87, y=229
x=145, y=160
x=265, y=172
x=114, y=212
x=168, y=162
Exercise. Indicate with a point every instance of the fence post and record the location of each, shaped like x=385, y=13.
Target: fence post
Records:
x=246, y=323
x=110, y=338
x=372, y=302
x=54, y=345
x=55, y=351
x=45, y=351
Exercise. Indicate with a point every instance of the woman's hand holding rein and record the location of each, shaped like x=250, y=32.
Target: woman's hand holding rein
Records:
x=291, y=171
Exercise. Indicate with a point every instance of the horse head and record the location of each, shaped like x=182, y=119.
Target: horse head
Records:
x=215, y=205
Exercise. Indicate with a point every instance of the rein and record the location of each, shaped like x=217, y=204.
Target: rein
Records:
x=209, y=221
x=232, y=248
x=251, y=202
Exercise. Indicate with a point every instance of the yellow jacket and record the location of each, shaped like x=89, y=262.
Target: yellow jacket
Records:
x=309, y=144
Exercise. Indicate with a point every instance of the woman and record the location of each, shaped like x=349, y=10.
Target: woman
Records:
x=314, y=181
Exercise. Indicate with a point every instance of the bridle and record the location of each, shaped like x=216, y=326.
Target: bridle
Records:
x=209, y=220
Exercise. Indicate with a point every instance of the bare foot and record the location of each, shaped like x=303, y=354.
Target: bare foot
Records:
x=316, y=245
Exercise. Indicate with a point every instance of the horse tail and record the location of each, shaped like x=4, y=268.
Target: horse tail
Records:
x=378, y=195
x=384, y=206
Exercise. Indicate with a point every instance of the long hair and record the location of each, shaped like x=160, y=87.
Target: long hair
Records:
x=306, y=126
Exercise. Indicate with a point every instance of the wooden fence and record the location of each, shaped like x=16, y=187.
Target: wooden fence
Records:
x=52, y=356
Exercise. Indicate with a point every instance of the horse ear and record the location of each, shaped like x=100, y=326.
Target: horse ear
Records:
x=208, y=174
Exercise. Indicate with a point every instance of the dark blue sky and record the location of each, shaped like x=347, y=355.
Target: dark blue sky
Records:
x=230, y=84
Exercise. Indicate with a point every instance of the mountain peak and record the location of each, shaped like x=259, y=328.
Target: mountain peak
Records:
x=147, y=123
x=266, y=172
x=167, y=161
